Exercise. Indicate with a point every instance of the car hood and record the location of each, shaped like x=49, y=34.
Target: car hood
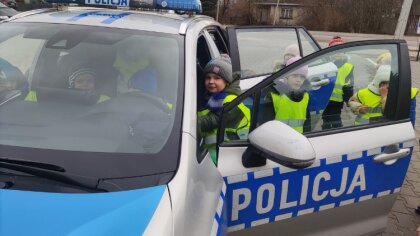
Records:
x=40, y=213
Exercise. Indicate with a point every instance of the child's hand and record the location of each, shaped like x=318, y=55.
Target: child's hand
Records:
x=363, y=109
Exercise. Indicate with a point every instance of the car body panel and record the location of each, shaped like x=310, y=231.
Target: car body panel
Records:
x=161, y=222
x=272, y=187
x=164, y=23
x=126, y=212
x=195, y=192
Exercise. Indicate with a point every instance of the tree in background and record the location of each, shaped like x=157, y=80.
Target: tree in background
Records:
x=230, y=11
x=209, y=7
x=323, y=15
x=359, y=16
x=372, y=15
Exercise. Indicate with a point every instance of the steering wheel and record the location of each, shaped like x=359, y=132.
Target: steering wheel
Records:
x=159, y=102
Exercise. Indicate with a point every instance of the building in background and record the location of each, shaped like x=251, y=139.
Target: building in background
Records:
x=272, y=14
x=261, y=12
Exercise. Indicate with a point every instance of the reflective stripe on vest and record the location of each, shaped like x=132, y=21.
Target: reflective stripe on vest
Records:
x=373, y=101
x=342, y=74
x=414, y=92
x=103, y=98
x=293, y=122
x=290, y=112
x=242, y=129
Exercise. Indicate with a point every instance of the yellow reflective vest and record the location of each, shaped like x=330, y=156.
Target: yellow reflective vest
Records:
x=373, y=101
x=342, y=74
x=414, y=92
x=242, y=129
x=290, y=112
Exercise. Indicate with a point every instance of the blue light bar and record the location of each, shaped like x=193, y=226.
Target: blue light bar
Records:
x=177, y=5
x=183, y=5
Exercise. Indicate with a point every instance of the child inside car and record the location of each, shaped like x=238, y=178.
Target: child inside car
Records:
x=221, y=88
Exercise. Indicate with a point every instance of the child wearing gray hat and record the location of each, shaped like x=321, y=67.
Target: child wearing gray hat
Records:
x=221, y=88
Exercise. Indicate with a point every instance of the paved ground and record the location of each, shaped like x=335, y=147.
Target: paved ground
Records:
x=402, y=220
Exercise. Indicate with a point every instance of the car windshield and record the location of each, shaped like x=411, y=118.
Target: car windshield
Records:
x=104, y=91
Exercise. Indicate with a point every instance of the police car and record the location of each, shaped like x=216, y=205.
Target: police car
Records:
x=88, y=148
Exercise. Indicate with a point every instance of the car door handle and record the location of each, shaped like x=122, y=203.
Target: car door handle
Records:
x=385, y=157
x=320, y=83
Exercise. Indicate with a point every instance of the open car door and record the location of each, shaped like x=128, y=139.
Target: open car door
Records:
x=259, y=51
x=291, y=178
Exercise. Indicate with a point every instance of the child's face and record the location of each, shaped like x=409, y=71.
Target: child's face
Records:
x=295, y=81
x=214, y=83
x=383, y=88
x=84, y=82
x=384, y=85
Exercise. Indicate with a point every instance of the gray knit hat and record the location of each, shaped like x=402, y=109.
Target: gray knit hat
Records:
x=220, y=66
x=77, y=73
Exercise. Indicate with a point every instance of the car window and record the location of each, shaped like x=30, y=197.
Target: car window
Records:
x=218, y=40
x=94, y=86
x=262, y=50
x=308, y=44
x=24, y=56
x=345, y=88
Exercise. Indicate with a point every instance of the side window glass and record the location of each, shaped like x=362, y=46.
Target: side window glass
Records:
x=16, y=66
x=262, y=51
x=308, y=44
x=348, y=87
x=219, y=41
x=203, y=57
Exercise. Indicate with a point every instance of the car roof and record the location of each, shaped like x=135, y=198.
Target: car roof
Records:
x=164, y=22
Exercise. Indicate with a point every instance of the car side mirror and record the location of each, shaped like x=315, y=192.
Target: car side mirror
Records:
x=280, y=143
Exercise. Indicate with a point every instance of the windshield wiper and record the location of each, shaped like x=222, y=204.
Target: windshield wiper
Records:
x=50, y=171
x=40, y=165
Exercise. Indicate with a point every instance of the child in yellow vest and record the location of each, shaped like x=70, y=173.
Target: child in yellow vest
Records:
x=370, y=102
x=290, y=99
x=82, y=79
x=343, y=90
x=221, y=89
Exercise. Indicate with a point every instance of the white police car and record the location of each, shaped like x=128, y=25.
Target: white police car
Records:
x=98, y=131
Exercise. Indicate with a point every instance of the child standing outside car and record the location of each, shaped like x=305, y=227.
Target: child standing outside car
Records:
x=370, y=102
x=290, y=51
x=343, y=89
x=290, y=99
x=221, y=88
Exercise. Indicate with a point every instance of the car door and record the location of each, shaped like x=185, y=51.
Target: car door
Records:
x=322, y=181
x=257, y=51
